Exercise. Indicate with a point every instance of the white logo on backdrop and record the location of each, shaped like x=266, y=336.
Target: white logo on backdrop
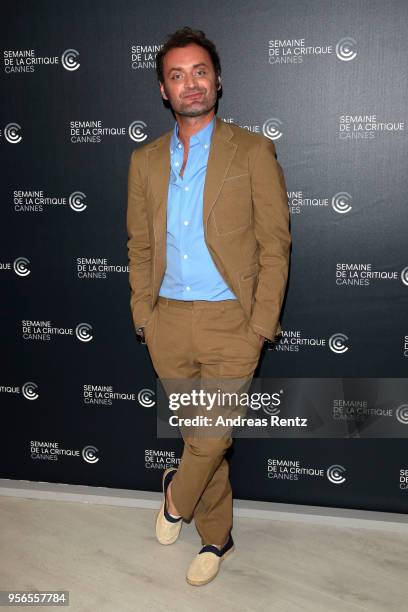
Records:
x=144, y=56
x=367, y=127
x=20, y=266
x=337, y=343
x=362, y=274
x=404, y=275
x=136, y=131
x=11, y=133
x=146, y=397
x=293, y=51
x=335, y=474
x=89, y=454
x=69, y=59
x=341, y=202
x=345, y=49
x=76, y=201
x=271, y=128
x=401, y=414
x=82, y=332
x=29, y=390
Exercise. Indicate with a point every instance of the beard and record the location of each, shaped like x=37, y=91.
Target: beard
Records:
x=194, y=108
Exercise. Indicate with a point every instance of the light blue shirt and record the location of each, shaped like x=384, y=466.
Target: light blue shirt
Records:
x=191, y=273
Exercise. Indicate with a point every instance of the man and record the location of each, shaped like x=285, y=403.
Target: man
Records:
x=209, y=244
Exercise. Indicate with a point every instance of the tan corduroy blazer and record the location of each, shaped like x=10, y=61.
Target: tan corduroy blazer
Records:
x=245, y=220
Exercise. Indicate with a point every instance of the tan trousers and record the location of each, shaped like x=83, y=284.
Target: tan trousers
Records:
x=209, y=340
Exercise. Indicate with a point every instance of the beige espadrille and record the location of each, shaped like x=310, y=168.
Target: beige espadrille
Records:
x=167, y=527
x=205, y=566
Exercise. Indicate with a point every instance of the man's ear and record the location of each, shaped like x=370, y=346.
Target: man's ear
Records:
x=219, y=82
x=162, y=91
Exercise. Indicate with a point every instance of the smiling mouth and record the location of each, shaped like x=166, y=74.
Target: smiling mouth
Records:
x=193, y=96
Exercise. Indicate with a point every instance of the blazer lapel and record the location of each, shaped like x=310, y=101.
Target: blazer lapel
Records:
x=159, y=176
x=220, y=157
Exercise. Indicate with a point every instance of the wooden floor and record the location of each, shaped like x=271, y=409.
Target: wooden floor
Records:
x=109, y=560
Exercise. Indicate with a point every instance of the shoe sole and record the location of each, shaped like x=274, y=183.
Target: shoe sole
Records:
x=201, y=583
x=162, y=511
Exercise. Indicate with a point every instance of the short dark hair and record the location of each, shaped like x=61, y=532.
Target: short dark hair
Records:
x=181, y=38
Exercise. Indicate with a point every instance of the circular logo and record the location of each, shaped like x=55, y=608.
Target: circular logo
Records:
x=136, y=131
x=336, y=343
x=345, y=49
x=82, y=332
x=404, y=275
x=20, y=266
x=29, y=390
x=69, y=59
x=341, y=202
x=335, y=474
x=76, y=201
x=146, y=398
x=10, y=133
x=271, y=128
x=401, y=414
x=89, y=454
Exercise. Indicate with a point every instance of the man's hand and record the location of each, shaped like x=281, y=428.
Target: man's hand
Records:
x=140, y=335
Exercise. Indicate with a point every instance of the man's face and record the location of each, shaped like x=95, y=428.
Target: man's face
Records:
x=190, y=83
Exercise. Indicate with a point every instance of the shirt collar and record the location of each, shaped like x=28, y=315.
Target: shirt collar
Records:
x=203, y=136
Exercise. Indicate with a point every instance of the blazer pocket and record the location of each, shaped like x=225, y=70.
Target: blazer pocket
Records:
x=233, y=208
x=244, y=178
x=239, y=181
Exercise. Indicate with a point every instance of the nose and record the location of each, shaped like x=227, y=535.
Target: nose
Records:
x=189, y=81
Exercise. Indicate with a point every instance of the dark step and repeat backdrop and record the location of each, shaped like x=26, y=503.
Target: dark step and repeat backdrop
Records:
x=327, y=82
